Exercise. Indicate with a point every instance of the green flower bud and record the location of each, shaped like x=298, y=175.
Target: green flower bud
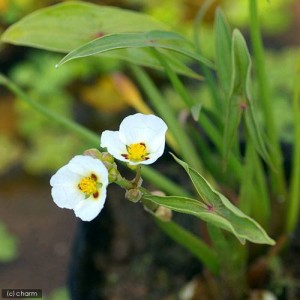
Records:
x=133, y=195
x=107, y=157
x=113, y=174
x=95, y=153
x=163, y=213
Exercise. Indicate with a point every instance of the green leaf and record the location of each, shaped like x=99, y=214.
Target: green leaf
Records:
x=241, y=61
x=214, y=208
x=223, y=51
x=8, y=249
x=155, y=39
x=240, y=100
x=231, y=125
x=256, y=134
x=67, y=26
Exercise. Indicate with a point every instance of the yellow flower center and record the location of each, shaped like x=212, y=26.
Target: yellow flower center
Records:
x=89, y=186
x=136, y=152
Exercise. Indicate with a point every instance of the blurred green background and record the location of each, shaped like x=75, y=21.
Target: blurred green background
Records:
x=32, y=148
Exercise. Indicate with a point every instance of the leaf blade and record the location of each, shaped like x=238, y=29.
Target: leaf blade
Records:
x=217, y=209
x=67, y=26
x=156, y=39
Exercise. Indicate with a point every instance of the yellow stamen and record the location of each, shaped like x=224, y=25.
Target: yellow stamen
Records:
x=136, y=152
x=89, y=186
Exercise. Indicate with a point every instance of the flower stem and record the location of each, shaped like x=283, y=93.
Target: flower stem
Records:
x=294, y=200
x=137, y=178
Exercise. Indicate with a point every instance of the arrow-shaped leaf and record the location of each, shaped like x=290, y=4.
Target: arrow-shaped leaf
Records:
x=214, y=208
x=240, y=100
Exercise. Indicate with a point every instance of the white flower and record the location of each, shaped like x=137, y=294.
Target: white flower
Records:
x=140, y=139
x=81, y=185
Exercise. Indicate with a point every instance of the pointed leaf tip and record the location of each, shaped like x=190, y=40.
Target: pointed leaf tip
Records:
x=216, y=209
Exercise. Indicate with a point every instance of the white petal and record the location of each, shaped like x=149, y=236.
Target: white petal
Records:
x=142, y=128
x=66, y=197
x=154, y=155
x=155, y=144
x=64, y=176
x=88, y=209
x=65, y=191
x=81, y=164
x=111, y=140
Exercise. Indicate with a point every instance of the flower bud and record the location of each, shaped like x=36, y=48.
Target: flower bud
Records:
x=163, y=213
x=113, y=174
x=95, y=153
x=106, y=157
x=133, y=195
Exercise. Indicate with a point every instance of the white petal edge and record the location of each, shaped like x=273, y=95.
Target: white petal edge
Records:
x=84, y=165
x=111, y=141
x=88, y=209
x=66, y=197
x=141, y=128
x=64, y=176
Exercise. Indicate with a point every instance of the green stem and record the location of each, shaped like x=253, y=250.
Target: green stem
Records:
x=66, y=123
x=187, y=148
x=137, y=176
x=294, y=200
x=278, y=181
x=174, y=79
x=124, y=183
x=216, y=137
x=214, y=90
x=232, y=266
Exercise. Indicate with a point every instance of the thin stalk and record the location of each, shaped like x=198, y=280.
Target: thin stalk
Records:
x=174, y=79
x=262, y=202
x=231, y=266
x=151, y=175
x=187, y=148
x=277, y=177
x=294, y=199
x=88, y=136
x=254, y=195
x=247, y=189
x=216, y=137
x=214, y=90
